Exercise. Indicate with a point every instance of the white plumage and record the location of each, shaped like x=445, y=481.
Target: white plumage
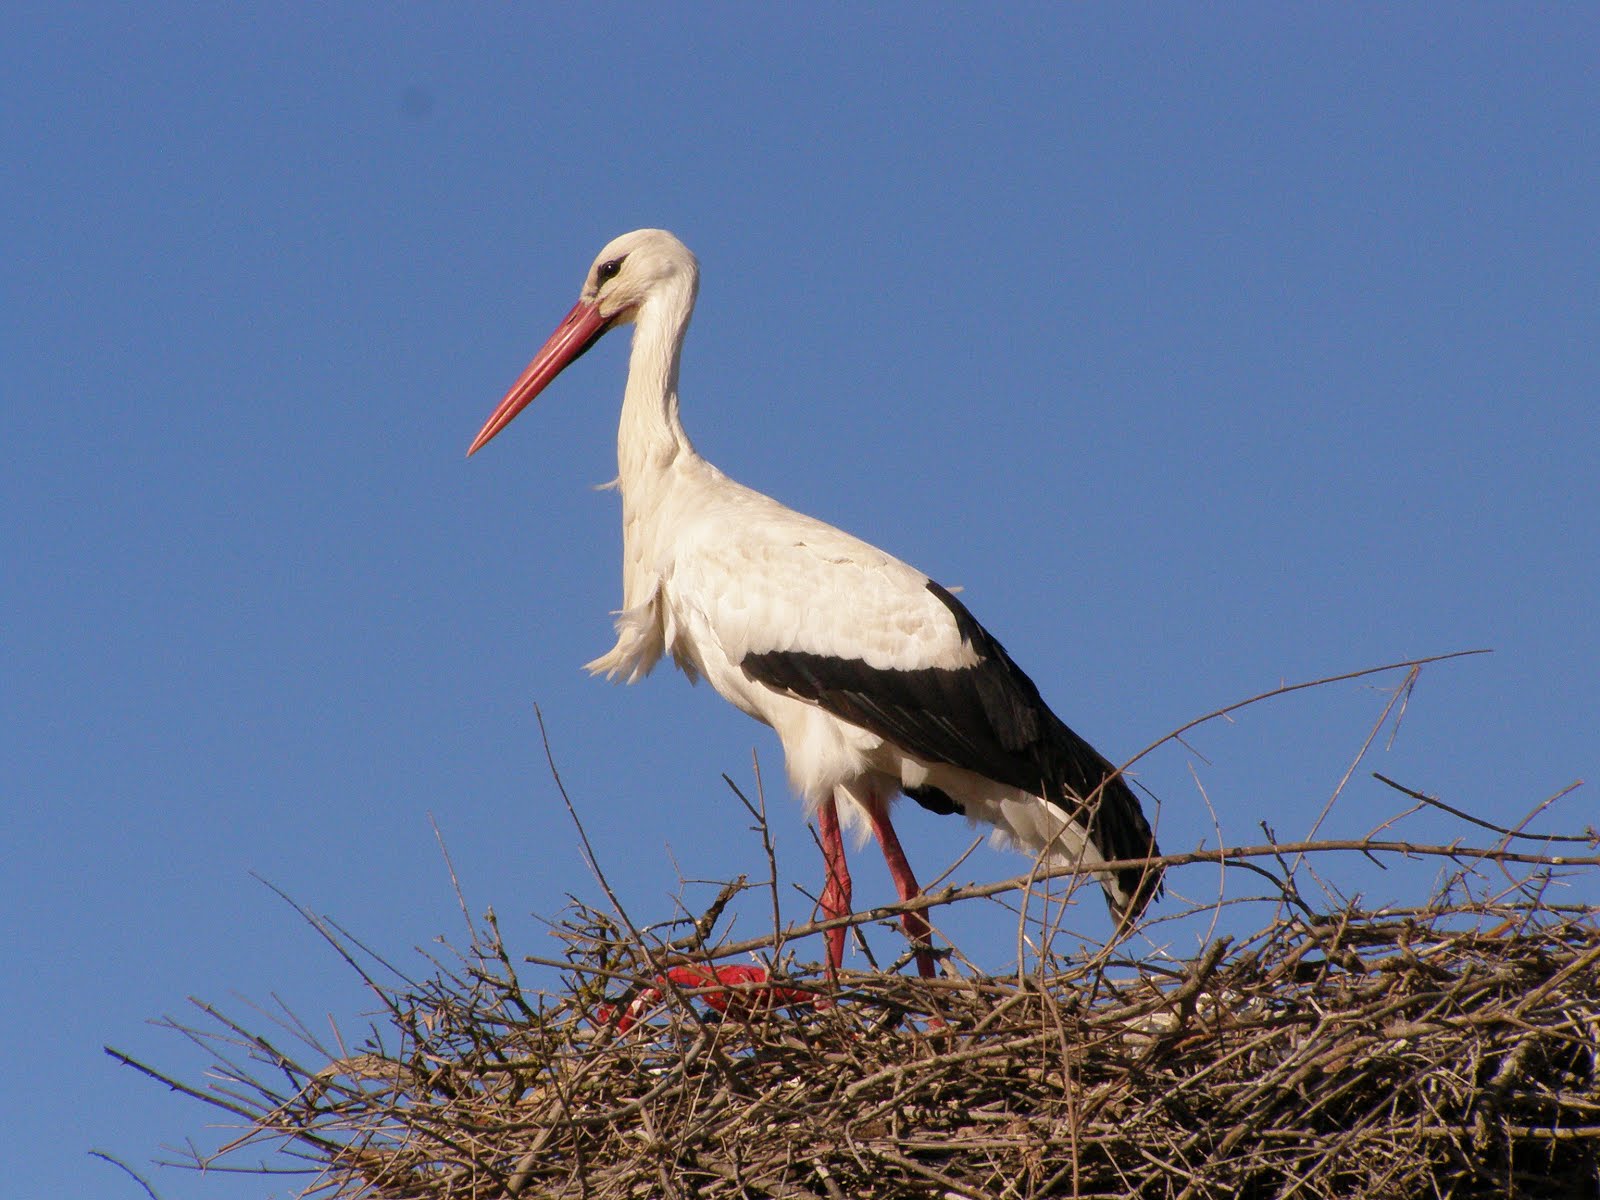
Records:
x=877, y=681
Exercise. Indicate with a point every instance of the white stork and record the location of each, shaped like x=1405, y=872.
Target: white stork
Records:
x=878, y=681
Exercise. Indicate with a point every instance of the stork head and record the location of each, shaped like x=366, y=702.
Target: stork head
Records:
x=637, y=270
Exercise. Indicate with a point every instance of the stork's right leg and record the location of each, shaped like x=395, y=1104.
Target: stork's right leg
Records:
x=914, y=923
x=836, y=891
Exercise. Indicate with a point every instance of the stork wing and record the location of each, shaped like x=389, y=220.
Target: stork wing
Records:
x=826, y=618
x=971, y=707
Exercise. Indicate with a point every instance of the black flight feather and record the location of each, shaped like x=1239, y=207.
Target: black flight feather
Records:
x=987, y=718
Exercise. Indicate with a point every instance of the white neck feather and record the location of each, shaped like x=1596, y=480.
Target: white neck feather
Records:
x=650, y=435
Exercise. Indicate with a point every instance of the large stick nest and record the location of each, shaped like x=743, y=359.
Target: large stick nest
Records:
x=1451, y=1049
x=1448, y=1050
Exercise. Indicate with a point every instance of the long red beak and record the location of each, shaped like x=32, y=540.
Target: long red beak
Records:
x=579, y=329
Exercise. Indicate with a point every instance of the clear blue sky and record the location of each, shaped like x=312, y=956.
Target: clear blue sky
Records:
x=1204, y=354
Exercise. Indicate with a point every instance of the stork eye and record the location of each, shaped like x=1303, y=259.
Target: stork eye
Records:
x=607, y=271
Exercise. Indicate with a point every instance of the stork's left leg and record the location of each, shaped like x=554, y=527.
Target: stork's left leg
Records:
x=914, y=923
x=836, y=888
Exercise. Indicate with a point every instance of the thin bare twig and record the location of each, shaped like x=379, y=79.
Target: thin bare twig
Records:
x=1589, y=838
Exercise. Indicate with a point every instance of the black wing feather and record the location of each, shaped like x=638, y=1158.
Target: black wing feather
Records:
x=988, y=718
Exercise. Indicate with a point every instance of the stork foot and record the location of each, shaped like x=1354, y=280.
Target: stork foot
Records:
x=750, y=996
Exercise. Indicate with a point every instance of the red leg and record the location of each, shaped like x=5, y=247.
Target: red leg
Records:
x=836, y=891
x=914, y=923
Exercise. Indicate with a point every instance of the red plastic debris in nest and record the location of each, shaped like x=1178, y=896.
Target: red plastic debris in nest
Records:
x=746, y=1000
